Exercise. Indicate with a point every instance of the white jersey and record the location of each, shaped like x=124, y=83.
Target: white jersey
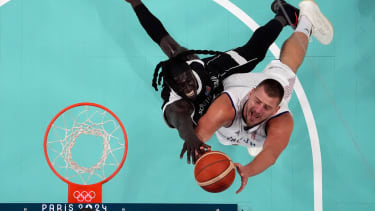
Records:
x=237, y=87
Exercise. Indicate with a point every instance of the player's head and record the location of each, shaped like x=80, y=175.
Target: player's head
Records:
x=178, y=75
x=264, y=101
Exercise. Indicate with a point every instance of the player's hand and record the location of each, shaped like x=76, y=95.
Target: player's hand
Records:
x=244, y=178
x=194, y=148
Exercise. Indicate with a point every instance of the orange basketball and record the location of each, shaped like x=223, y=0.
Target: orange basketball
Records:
x=214, y=171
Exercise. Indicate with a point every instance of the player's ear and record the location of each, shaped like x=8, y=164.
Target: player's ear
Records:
x=251, y=92
x=276, y=110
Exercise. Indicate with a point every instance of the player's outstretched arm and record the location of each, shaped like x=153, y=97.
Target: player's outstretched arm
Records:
x=155, y=29
x=279, y=131
x=178, y=115
x=219, y=114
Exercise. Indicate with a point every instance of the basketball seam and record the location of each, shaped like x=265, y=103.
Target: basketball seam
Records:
x=219, y=177
x=210, y=153
x=210, y=165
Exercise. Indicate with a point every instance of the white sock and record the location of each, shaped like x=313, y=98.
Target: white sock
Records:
x=304, y=25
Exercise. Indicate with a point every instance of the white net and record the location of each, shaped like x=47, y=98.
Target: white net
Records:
x=85, y=145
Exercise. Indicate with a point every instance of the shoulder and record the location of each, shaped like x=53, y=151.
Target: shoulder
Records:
x=221, y=110
x=219, y=114
x=279, y=130
x=281, y=124
x=223, y=102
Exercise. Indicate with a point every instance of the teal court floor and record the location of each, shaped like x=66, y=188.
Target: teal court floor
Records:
x=57, y=53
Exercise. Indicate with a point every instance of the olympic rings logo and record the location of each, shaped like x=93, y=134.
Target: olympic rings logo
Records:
x=84, y=196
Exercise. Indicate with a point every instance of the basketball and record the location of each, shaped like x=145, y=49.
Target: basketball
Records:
x=214, y=171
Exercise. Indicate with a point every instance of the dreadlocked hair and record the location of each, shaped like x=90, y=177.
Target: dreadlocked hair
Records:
x=179, y=58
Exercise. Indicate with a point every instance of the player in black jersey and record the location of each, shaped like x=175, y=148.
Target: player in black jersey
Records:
x=190, y=84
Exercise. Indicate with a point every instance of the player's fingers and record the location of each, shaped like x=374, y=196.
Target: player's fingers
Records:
x=241, y=188
x=196, y=154
x=188, y=155
x=238, y=167
x=201, y=150
x=183, y=151
x=205, y=148
x=208, y=148
x=243, y=183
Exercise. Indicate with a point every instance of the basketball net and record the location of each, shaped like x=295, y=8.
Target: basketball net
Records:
x=85, y=183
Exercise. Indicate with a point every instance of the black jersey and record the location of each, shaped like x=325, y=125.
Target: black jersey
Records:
x=209, y=74
x=208, y=87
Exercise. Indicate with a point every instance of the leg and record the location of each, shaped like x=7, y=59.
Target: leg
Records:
x=261, y=40
x=263, y=37
x=254, y=51
x=155, y=29
x=294, y=50
x=311, y=21
x=244, y=59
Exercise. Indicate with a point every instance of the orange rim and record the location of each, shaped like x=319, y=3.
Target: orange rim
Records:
x=77, y=105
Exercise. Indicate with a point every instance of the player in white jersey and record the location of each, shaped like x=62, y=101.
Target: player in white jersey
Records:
x=258, y=118
x=190, y=84
x=237, y=89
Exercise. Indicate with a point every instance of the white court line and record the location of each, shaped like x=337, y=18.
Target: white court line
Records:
x=306, y=109
x=2, y=2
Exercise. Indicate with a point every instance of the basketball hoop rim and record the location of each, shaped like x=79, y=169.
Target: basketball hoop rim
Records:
x=77, y=105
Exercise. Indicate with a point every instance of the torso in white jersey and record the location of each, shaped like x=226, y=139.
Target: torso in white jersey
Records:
x=237, y=87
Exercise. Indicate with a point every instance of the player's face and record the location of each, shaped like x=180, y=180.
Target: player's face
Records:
x=186, y=84
x=259, y=106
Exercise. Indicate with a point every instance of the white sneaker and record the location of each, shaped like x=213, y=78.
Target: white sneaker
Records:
x=322, y=28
